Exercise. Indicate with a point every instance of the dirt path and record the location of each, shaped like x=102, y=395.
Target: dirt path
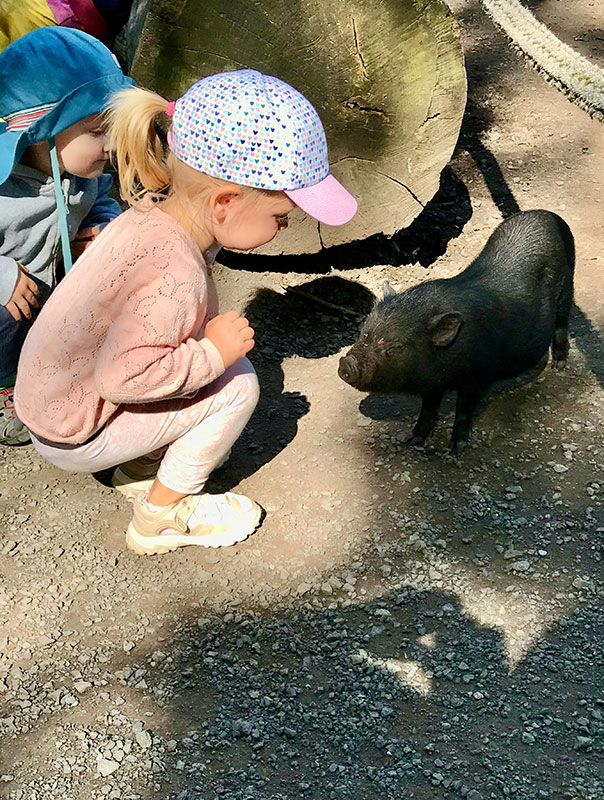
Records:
x=403, y=624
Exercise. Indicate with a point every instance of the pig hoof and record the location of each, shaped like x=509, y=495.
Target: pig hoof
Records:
x=415, y=441
x=559, y=363
x=458, y=447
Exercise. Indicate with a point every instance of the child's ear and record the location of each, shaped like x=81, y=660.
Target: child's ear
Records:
x=221, y=204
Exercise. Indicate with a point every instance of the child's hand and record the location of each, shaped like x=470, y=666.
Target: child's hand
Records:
x=83, y=238
x=24, y=297
x=231, y=335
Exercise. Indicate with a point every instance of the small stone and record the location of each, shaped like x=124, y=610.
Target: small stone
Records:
x=584, y=742
x=511, y=553
x=69, y=700
x=560, y=468
x=128, y=646
x=521, y=566
x=303, y=588
x=106, y=766
x=81, y=686
x=143, y=739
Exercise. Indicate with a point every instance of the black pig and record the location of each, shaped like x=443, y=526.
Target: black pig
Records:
x=494, y=320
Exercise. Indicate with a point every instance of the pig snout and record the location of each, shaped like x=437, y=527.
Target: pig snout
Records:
x=349, y=369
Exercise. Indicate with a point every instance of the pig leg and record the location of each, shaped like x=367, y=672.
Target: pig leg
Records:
x=560, y=340
x=427, y=418
x=565, y=300
x=467, y=400
x=560, y=348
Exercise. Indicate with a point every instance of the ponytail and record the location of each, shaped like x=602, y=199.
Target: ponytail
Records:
x=134, y=143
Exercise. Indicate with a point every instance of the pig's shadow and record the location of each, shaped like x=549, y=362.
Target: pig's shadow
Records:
x=311, y=320
x=405, y=407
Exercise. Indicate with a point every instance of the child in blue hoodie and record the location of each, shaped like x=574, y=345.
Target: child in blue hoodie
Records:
x=54, y=84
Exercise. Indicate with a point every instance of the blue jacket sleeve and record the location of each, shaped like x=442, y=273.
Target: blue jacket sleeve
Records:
x=105, y=208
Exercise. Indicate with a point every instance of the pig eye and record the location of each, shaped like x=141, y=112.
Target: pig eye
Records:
x=386, y=347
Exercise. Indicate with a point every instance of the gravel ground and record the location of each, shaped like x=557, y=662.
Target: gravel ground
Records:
x=404, y=624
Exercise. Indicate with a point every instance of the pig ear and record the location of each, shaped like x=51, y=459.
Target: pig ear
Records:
x=387, y=290
x=444, y=328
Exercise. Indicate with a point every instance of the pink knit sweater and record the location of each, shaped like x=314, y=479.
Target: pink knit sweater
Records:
x=125, y=326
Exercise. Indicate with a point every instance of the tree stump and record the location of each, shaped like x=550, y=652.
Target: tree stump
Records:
x=386, y=76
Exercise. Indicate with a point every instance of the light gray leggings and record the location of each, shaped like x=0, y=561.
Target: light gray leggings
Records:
x=196, y=432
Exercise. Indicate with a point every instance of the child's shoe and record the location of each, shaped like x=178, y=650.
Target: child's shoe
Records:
x=208, y=520
x=134, y=478
x=12, y=430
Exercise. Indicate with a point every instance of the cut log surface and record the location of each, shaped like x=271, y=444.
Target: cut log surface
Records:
x=386, y=76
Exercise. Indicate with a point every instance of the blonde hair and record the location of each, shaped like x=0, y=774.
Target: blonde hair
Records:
x=134, y=142
x=144, y=163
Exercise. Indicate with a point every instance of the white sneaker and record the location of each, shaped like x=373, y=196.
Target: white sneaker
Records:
x=208, y=520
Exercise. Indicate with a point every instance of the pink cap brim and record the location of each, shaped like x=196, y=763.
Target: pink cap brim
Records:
x=327, y=201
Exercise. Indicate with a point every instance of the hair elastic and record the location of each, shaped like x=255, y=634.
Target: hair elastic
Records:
x=170, y=108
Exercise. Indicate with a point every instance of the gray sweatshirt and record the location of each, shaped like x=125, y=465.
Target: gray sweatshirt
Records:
x=29, y=222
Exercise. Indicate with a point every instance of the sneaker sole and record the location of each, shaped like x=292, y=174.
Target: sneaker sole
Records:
x=156, y=545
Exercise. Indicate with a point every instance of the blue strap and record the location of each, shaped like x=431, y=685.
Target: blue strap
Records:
x=56, y=177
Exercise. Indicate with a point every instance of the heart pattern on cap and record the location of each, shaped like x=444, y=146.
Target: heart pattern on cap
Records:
x=252, y=129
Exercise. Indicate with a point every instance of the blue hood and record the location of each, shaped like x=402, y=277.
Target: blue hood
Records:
x=50, y=79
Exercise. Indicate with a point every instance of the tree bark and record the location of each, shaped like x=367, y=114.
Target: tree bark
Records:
x=386, y=76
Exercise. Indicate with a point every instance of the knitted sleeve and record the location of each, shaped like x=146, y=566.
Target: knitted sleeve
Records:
x=153, y=347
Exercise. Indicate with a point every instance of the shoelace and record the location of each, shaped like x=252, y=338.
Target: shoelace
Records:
x=213, y=508
x=210, y=509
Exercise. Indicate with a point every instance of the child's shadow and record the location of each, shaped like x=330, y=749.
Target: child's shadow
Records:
x=312, y=320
